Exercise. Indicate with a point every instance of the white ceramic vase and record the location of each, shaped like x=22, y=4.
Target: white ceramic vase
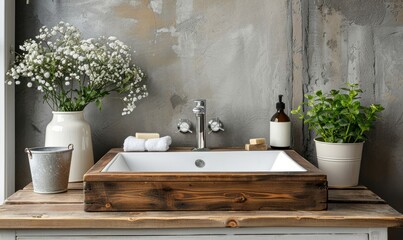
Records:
x=340, y=161
x=71, y=128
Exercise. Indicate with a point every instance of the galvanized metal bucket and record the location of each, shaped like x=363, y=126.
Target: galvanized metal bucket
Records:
x=50, y=168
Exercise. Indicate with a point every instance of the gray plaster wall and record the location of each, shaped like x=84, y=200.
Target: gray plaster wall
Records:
x=238, y=55
x=361, y=41
x=234, y=53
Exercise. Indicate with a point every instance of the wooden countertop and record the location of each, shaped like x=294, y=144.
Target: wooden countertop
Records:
x=353, y=207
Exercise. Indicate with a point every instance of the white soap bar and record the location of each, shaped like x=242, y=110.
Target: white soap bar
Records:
x=255, y=147
x=147, y=135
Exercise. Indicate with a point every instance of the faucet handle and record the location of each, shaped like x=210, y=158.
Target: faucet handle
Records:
x=215, y=125
x=184, y=126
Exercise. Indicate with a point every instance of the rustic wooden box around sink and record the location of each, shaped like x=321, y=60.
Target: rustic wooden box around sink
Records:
x=204, y=191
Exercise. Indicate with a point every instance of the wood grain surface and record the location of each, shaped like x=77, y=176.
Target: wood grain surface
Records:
x=348, y=207
x=28, y=210
x=204, y=191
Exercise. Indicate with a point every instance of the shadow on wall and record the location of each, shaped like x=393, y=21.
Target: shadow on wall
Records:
x=379, y=167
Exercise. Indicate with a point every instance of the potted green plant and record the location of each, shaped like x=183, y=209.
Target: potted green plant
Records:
x=340, y=123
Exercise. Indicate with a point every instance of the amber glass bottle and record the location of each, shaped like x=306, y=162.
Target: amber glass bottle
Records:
x=280, y=127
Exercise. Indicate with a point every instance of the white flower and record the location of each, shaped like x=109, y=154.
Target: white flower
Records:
x=58, y=57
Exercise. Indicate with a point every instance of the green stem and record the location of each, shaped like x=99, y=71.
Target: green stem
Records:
x=348, y=129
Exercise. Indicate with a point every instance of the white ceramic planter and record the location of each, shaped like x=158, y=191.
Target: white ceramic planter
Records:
x=71, y=127
x=340, y=161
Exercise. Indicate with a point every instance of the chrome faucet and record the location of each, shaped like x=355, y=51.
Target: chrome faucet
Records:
x=200, y=112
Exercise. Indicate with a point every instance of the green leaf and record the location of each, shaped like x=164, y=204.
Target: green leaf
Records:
x=98, y=103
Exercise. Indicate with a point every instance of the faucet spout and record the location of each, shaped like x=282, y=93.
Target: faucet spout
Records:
x=200, y=113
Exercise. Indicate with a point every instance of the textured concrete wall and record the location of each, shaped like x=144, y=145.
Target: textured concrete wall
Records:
x=234, y=53
x=361, y=41
x=238, y=55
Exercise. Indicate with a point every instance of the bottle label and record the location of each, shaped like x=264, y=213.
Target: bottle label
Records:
x=280, y=134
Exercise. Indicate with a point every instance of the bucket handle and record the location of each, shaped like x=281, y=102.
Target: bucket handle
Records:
x=27, y=150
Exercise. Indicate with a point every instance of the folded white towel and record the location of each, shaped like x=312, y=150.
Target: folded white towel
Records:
x=133, y=144
x=158, y=144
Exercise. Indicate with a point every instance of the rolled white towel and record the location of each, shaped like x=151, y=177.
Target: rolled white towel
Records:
x=158, y=144
x=168, y=139
x=133, y=144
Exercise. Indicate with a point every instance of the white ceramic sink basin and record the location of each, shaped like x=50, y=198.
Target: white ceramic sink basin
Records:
x=212, y=161
x=228, y=179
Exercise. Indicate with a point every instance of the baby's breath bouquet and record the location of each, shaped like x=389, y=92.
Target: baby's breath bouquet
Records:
x=72, y=72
